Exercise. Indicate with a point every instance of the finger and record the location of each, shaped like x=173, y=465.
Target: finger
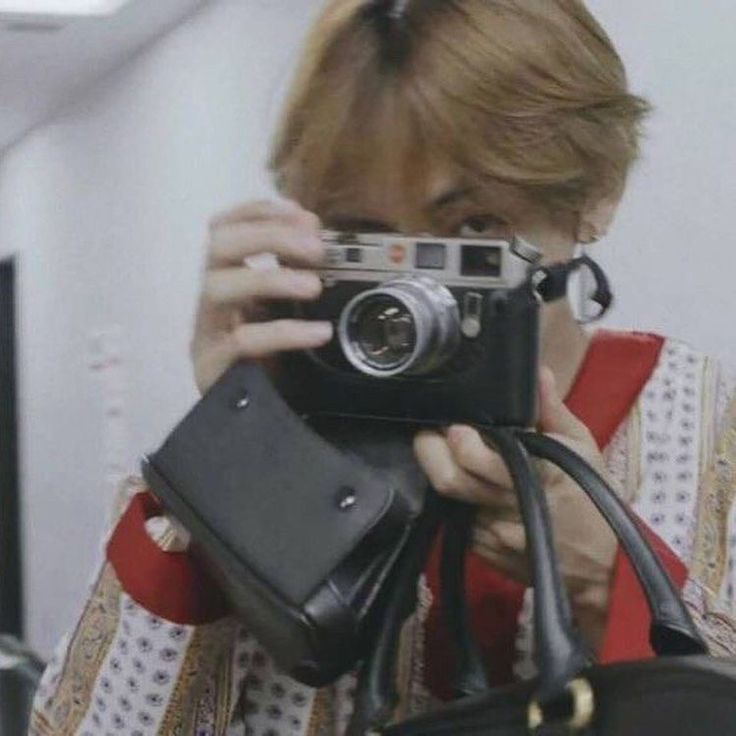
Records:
x=554, y=416
x=241, y=285
x=505, y=536
x=473, y=454
x=449, y=479
x=487, y=515
x=232, y=244
x=263, y=339
x=212, y=319
x=503, y=545
x=586, y=451
x=286, y=210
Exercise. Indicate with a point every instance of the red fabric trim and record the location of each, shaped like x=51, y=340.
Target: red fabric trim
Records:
x=494, y=601
x=172, y=585
x=613, y=374
x=615, y=371
x=627, y=634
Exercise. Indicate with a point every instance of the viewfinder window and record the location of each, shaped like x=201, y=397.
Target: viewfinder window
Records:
x=481, y=260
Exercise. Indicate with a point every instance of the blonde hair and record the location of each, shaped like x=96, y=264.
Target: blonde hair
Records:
x=530, y=93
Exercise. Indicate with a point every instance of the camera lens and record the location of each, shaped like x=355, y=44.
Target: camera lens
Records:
x=409, y=325
x=384, y=332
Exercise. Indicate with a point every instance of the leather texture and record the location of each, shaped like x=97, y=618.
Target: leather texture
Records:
x=677, y=695
x=560, y=649
x=240, y=464
x=673, y=631
x=470, y=678
x=376, y=695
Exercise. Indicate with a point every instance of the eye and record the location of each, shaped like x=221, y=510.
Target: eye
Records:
x=484, y=226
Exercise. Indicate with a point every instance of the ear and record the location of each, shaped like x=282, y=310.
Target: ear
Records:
x=597, y=217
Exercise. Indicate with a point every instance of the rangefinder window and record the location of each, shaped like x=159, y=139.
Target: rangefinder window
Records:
x=431, y=255
x=479, y=260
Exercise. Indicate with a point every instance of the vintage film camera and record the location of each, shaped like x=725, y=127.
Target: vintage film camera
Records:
x=427, y=330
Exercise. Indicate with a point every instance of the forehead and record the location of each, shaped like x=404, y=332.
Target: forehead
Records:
x=443, y=191
x=384, y=194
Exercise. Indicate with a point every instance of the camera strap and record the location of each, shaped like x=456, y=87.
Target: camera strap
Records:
x=552, y=282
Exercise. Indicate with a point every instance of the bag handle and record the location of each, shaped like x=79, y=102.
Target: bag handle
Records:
x=561, y=652
x=469, y=677
x=673, y=632
x=376, y=696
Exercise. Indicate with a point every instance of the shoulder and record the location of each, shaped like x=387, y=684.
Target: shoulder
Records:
x=678, y=426
x=688, y=403
x=690, y=390
x=706, y=386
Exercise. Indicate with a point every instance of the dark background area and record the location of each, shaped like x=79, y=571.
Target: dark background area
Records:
x=11, y=605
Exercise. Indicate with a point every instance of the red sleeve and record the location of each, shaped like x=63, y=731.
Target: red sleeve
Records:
x=172, y=585
x=627, y=634
x=494, y=603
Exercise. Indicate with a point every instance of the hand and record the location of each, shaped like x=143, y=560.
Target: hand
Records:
x=232, y=320
x=460, y=465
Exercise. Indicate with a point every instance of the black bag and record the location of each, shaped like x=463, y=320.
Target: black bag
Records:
x=683, y=692
x=304, y=531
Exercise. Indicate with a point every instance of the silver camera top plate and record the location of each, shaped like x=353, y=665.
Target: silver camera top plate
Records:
x=470, y=262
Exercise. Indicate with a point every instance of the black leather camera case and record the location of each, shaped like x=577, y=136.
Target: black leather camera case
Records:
x=303, y=534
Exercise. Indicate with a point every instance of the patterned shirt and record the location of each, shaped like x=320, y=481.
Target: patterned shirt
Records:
x=156, y=653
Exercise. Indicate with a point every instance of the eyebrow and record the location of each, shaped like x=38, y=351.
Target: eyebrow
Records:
x=450, y=197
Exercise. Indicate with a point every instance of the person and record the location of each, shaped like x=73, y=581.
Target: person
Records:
x=483, y=118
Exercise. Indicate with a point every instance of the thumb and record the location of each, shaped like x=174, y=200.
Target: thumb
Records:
x=554, y=416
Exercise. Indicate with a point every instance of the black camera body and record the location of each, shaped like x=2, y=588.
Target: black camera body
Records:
x=428, y=331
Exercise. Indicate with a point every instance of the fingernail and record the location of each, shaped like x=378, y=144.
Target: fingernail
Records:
x=458, y=432
x=320, y=331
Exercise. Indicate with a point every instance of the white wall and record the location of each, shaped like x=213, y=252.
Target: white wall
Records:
x=671, y=254
x=107, y=207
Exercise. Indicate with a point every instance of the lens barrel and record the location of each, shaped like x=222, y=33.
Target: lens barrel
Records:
x=410, y=326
